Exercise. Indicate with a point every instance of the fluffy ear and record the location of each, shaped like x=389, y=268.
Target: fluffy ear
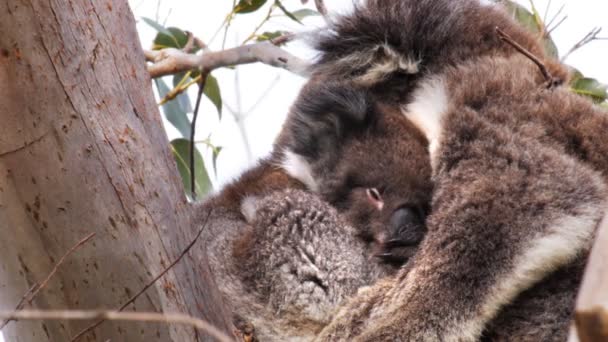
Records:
x=388, y=45
x=324, y=114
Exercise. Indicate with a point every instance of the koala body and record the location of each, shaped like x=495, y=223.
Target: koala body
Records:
x=287, y=271
x=339, y=204
x=519, y=171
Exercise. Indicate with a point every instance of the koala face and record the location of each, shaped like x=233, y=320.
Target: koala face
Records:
x=382, y=185
x=366, y=160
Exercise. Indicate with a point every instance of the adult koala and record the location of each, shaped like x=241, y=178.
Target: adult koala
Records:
x=519, y=169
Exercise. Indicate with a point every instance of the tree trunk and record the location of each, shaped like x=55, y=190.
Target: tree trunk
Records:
x=591, y=315
x=82, y=150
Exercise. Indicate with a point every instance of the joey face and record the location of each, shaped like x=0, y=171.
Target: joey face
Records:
x=382, y=186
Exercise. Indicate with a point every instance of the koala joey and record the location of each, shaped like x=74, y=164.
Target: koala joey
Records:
x=519, y=168
x=340, y=203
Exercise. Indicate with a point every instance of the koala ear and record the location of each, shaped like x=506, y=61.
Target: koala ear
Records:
x=324, y=114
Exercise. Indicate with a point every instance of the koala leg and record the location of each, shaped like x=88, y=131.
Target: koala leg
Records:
x=507, y=212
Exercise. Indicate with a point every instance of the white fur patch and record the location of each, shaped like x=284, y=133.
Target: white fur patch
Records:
x=379, y=68
x=249, y=208
x=297, y=167
x=427, y=109
x=568, y=236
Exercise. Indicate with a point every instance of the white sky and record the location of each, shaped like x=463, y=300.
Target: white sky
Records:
x=263, y=123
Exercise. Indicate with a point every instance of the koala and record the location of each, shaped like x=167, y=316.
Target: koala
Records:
x=518, y=165
x=340, y=203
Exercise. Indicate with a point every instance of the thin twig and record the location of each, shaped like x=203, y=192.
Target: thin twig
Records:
x=546, y=11
x=150, y=283
x=189, y=46
x=259, y=26
x=543, y=69
x=227, y=27
x=556, y=26
x=35, y=289
x=559, y=11
x=116, y=316
x=588, y=38
x=21, y=303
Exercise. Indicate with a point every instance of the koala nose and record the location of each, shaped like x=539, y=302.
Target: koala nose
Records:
x=373, y=195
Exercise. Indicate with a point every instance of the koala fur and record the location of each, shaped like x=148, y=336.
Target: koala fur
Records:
x=300, y=260
x=519, y=173
x=340, y=203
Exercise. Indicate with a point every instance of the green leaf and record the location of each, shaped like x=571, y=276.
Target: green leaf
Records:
x=248, y=6
x=172, y=110
x=269, y=35
x=182, y=99
x=590, y=87
x=287, y=13
x=212, y=91
x=172, y=38
x=181, y=152
x=532, y=23
x=216, y=153
x=158, y=27
x=303, y=13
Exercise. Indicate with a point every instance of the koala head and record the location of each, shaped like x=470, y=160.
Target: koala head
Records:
x=366, y=160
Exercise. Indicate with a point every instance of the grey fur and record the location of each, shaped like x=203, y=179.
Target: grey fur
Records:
x=301, y=262
x=519, y=173
x=515, y=202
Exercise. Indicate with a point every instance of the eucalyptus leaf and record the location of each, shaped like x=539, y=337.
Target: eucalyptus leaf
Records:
x=181, y=152
x=175, y=38
x=213, y=93
x=158, y=27
x=172, y=110
x=216, y=153
x=269, y=35
x=286, y=12
x=248, y=6
x=590, y=87
x=303, y=13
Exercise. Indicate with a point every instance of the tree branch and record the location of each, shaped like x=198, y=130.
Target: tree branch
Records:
x=171, y=61
x=115, y=316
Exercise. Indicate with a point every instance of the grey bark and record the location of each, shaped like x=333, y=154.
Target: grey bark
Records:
x=82, y=150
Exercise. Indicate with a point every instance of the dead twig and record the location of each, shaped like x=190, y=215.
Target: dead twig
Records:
x=35, y=289
x=588, y=38
x=171, y=61
x=551, y=81
x=149, y=284
x=176, y=318
x=557, y=14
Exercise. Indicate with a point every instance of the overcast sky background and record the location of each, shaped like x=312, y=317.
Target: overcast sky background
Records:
x=266, y=93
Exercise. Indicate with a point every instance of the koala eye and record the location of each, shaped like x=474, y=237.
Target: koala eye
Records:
x=374, y=197
x=407, y=217
x=374, y=194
